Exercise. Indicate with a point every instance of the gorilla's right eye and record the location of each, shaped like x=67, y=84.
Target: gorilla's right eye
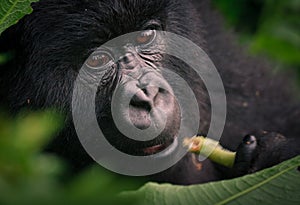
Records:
x=99, y=59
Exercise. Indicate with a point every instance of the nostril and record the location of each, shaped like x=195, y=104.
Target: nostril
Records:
x=151, y=91
x=161, y=90
x=141, y=104
x=145, y=91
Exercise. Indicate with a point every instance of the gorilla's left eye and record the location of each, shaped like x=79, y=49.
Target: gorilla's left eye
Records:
x=146, y=37
x=99, y=59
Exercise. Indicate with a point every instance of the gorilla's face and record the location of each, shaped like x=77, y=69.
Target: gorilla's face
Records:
x=132, y=92
x=81, y=36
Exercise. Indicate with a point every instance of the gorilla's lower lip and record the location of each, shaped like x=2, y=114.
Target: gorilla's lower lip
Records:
x=154, y=149
x=168, y=147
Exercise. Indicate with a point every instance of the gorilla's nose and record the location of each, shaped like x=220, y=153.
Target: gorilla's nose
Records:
x=140, y=107
x=145, y=98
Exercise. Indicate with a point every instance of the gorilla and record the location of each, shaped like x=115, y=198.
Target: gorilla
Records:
x=53, y=43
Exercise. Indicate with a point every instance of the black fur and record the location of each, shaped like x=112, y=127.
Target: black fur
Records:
x=51, y=44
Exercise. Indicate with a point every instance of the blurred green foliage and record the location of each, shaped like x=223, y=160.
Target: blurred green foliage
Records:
x=244, y=15
x=269, y=27
x=29, y=176
x=4, y=57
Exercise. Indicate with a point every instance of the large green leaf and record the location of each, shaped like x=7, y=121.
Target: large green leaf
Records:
x=11, y=11
x=276, y=185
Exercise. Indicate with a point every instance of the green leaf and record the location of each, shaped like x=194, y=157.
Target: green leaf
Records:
x=276, y=185
x=11, y=11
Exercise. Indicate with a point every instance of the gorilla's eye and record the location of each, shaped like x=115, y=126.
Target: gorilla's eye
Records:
x=99, y=59
x=146, y=37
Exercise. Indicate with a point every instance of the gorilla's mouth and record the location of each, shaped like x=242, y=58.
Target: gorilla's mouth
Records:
x=139, y=113
x=164, y=144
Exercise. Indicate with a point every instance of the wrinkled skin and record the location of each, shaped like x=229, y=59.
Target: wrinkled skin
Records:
x=48, y=58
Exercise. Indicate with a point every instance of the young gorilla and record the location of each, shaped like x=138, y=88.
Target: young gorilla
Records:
x=52, y=44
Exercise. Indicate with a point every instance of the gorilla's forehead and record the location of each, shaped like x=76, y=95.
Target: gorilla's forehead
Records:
x=88, y=19
x=75, y=27
x=126, y=15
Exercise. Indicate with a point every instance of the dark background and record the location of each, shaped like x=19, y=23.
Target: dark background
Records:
x=267, y=27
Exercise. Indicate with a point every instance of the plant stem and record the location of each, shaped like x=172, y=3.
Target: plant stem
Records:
x=210, y=148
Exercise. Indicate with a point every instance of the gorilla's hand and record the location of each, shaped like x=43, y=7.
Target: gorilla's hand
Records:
x=261, y=150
